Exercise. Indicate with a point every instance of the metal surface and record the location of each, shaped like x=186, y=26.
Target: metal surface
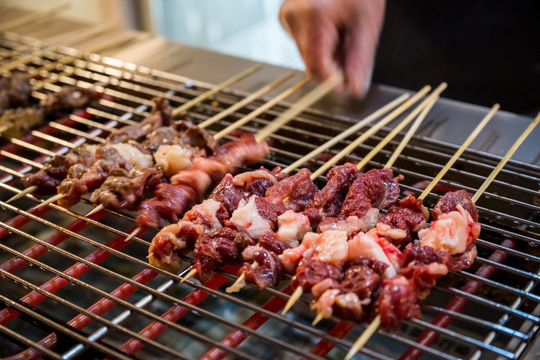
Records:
x=72, y=287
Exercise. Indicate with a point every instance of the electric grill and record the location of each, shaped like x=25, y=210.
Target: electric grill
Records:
x=72, y=287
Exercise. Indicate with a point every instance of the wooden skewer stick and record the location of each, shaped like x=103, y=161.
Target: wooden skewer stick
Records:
x=188, y=105
x=24, y=192
x=395, y=131
x=247, y=100
x=295, y=296
x=252, y=115
x=51, y=200
x=460, y=151
x=133, y=233
x=95, y=210
x=363, y=339
x=327, y=145
x=353, y=145
x=322, y=89
x=506, y=157
x=370, y=330
x=191, y=272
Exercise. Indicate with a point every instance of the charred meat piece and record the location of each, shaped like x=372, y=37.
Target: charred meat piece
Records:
x=67, y=99
x=20, y=120
x=267, y=271
x=397, y=302
x=161, y=115
x=449, y=203
x=330, y=198
x=377, y=188
x=126, y=189
x=292, y=193
x=15, y=91
x=214, y=250
x=409, y=217
x=168, y=203
x=170, y=242
x=48, y=177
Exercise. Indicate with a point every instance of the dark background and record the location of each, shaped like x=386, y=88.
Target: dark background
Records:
x=487, y=51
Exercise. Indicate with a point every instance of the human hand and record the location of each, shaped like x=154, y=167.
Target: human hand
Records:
x=336, y=34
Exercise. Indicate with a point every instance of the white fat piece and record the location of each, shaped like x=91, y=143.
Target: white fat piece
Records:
x=209, y=208
x=330, y=246
x=247, y=217
x=292, y=227
x=172, y=158
x=363, y=244
x=449, y=232
x=134, y=156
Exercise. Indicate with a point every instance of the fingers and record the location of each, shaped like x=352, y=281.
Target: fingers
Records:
x=336, y=34
x=315, y=34
x=360, y=54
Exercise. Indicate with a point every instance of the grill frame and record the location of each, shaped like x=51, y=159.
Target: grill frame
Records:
x=308, y=119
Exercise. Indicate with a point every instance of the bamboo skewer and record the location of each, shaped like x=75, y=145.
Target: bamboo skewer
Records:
x=295, y=296
x=24, y=192
x=353, y=145
x=314, y=95
x=252, y=115
x=370, y=330
x=188, y=105
x=247, y=100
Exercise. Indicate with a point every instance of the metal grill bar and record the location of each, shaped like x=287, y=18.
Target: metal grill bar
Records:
x=130, y=86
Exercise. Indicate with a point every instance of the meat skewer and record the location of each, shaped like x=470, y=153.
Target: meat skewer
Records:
x=203, y=125
x=240, y=281
x=184, y=107
x=386, y=108
x=192, y=190
x=430, y=237
x=425, y=106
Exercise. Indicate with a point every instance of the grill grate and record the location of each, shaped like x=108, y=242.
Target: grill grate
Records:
x=71, y=285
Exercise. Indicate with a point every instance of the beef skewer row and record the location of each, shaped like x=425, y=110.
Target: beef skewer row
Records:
x=17, y=116
x=425, y=106
x=132, y=132
x=117, y=188
x=448, y=244
x=292, y=193
x=171, y=201
x=87, y=166
x=180, y=110
x=355, y=212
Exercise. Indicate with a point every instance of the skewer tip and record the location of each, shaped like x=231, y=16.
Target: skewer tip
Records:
x=191, y=272
x=24, y=192
x=133, y=234
x=293, y=299
x=50, y=200
x=317, y=319
x=95, y=210
x=238, y=284
x=362, y=339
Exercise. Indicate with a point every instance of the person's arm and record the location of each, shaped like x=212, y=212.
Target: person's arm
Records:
x=336, y=34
